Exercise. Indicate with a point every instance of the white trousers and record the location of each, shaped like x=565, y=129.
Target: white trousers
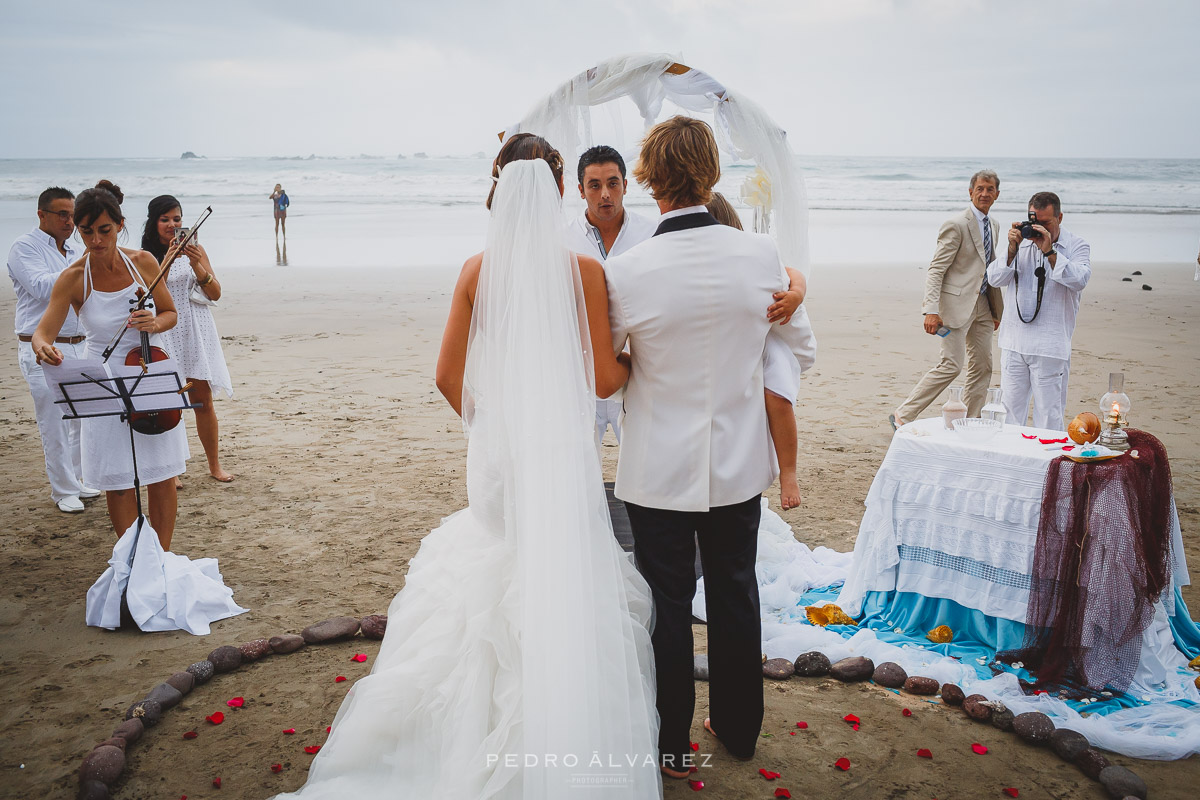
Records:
x=1040, y=377
x=608, y=412
x=60, y=437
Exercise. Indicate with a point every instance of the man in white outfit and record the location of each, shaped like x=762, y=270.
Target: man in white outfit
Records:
x=34, y=263
x=1043, y=276
x=604, y=229
x=696, y=455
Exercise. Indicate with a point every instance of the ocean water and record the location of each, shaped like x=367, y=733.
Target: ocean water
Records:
x=397, y=212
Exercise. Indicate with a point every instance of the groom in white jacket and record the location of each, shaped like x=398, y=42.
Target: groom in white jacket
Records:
x=696, y=455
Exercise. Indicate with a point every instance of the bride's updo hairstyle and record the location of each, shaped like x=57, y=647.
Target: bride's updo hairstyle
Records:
x=679, y=163
x=106, y=198
x=525, y=147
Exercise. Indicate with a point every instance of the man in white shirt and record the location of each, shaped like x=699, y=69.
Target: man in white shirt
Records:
x=34, y=263
x=696, y=455
x=604, y=229
x=1042, y=277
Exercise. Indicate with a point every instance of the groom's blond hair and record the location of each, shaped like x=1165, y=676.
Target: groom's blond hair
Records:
x=679, y=163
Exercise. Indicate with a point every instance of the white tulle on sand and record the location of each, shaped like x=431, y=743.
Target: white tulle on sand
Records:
x=787, y=569
x=517, y=661
x=164, y=591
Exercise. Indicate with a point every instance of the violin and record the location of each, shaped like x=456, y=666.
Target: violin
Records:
x=149, y=422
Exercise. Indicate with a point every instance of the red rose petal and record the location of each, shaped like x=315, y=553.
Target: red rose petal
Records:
x=851, y=719
x=328, y=728
x=791, y=733
x=766, y=773
x=217, y=782
x=1028, y=436
x=277, y=768
x=784, y=793
x=696, y=785
x=979, y=749
x=924, y=753
x=1053, y=441
x=842, y=763
x=801, y=725
x=236, y=702
x=312, y=749
x=339, y=679
x=216, y=718
x=1011, y=792
x=190, y=735
x=907, y=712
x=693, y=770
x=695, y=746
x=359, y=657
x=289, y=731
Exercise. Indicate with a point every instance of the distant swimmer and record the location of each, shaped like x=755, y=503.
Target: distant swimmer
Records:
x=280, y=198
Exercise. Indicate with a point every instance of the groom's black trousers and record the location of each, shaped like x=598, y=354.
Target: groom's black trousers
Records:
x=664, y=544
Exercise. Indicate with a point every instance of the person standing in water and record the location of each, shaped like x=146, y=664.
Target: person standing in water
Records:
x=280, y=199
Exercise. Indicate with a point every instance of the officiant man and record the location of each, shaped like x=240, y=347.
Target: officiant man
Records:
x=605, y=228
x=696, y=456
x=959, y=305
x=34, y=263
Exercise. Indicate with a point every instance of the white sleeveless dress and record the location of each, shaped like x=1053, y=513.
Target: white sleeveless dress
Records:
x=105, y=440
x=194, y=342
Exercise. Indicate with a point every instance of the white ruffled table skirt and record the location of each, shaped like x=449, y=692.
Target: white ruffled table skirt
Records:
x=958, y=520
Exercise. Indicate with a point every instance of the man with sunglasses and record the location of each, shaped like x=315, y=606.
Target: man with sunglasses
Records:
x=34, y=263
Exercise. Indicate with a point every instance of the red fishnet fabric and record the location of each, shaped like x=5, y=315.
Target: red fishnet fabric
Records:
x=1102, y=561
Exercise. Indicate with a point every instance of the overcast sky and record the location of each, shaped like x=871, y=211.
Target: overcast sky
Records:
x=1062, y=78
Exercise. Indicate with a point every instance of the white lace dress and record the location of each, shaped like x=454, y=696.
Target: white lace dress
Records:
x=194, y=342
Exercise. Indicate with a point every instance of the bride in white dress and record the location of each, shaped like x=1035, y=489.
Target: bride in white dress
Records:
x=517, y=661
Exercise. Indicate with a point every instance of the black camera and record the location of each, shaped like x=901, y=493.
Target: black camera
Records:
x=1027, y=231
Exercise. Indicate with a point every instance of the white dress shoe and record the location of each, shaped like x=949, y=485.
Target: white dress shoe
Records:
x=70, y=505
x=87, y=493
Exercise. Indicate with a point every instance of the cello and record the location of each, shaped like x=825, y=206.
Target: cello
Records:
x=144, y=354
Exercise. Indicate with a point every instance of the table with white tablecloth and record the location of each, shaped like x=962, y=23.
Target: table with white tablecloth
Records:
x=956, y=520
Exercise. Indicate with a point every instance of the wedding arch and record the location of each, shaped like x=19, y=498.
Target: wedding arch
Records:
x=743, y=130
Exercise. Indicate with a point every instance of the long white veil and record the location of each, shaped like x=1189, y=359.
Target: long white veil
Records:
x=529, y=404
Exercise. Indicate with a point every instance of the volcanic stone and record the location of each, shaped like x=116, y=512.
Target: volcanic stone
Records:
x=1034, y=727
x=890, y=674
x=201, y=671
x=104, y=764
x=254, y=650
x=287, y=643
x=115, y=741
x=1002, y=718
x=857, y=668
x=182, y=681
x=92, y=790
x=918, y=684
x=1147, y=287
x=166, y=695
x=1068, y=743
x=812, y=665
x=130, y=730
x=374, y=626
x=778, y=669
x=1121, y=782
x=975, y=706
x=148, y=711
x=952, y=694
x=700, y=667
x=1091, y=762
x=330, y=630
x=225, y=658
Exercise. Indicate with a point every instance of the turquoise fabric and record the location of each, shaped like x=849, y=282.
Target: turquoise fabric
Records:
x=976, y=635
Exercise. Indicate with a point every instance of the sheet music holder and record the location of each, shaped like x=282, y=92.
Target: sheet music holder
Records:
x=92, y=388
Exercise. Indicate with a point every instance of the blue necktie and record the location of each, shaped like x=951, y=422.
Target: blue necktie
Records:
x=989, y=253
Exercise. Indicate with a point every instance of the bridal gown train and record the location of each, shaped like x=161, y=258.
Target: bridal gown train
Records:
x=517, y=661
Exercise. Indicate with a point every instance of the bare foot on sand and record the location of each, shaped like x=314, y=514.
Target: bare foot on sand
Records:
x=789, y=492
x=220, y=475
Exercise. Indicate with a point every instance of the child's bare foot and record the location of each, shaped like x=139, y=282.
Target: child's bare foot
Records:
x=178, y=483
x=220, y=474
x=789, y=492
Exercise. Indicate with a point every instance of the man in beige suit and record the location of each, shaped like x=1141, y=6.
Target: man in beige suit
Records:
x=959, y=305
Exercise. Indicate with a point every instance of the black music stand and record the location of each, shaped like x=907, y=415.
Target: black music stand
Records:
x=127, y=390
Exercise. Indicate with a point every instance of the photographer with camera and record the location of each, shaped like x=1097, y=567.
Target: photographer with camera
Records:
x=1042, y=278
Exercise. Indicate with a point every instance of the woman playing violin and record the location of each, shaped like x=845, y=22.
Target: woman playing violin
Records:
x=102, y=288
